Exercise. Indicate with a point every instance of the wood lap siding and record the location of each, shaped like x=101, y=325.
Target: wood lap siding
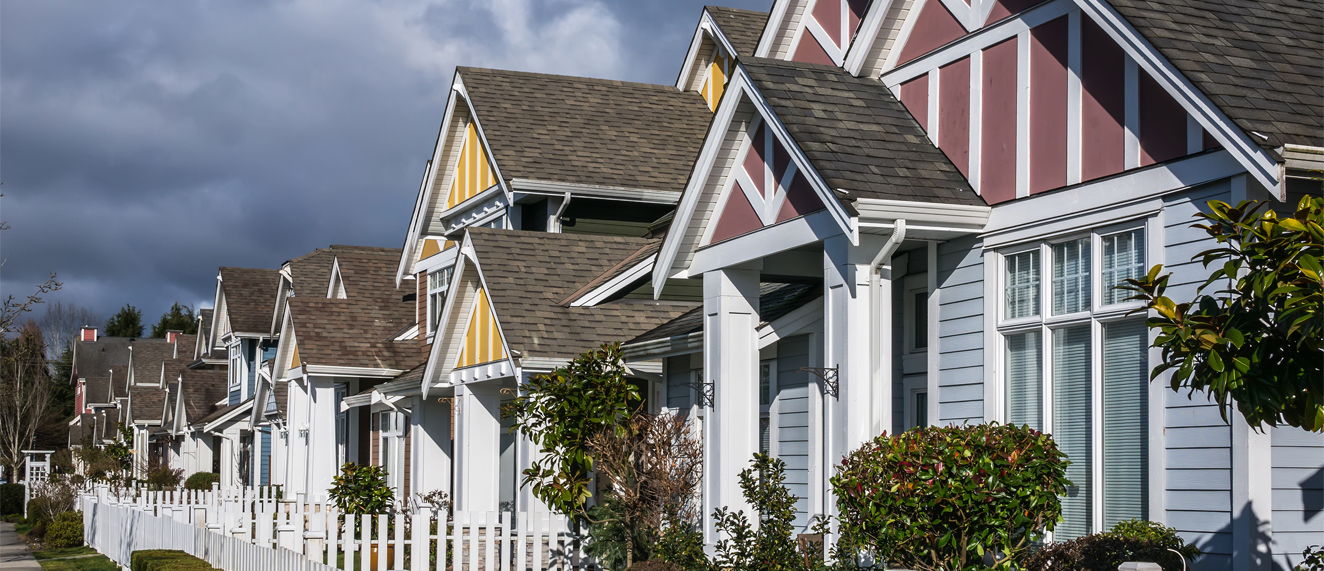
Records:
x=678, y=383
x=1198, y=496
x=1298, y=493
x=792, y=420
x=960, y=332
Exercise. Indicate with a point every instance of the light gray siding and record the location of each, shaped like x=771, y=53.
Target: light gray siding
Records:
x=1298, y=493
x=792, y=419
x=678, y=383
x=1198, y=496
x=960, y=332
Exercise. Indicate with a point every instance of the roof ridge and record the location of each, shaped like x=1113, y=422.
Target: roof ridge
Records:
x=565, y=77
x=731, y=9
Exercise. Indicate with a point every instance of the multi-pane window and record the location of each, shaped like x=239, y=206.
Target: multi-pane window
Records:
x=1022, y=287
x=1082, y=372
x=438, y=283
x=767, y=388
x=392, y=427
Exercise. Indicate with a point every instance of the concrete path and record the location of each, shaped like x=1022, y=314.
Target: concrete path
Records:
x=14, y=554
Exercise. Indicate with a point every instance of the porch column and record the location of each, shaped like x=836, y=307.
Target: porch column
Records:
x=861, y=410
x=321, y=450
x=731, y=363
x=478, y=443
x=431, y=446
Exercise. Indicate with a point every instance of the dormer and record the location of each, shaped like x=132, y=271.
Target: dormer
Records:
x=813, y=31
x=723, y=35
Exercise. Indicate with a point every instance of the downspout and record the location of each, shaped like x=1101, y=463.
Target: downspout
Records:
x=560, y=210
x=876, y=303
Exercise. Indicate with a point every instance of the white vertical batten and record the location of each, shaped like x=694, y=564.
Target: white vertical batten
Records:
x=976, y=114
x=1074, y=98
x=933, y=105
x=1131, y=90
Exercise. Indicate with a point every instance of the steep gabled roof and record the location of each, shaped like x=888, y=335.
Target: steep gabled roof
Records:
x=351, y=333
x=248, y=295
x=147, y=403
x=202, y=389
x=369, y=276
x=857, y=135
x=741, y=27
x=587, y=131
x=96, y=389
x=94, y=358
x=312, y=271
x=1261, y=62
x=147, y=357
x=527, y=274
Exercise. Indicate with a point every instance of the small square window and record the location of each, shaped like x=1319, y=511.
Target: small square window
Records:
x=1022, y=285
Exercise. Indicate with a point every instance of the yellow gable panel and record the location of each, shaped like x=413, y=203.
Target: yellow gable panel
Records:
x=716, y=82
x=482, y=341
x=294, y=361
x=430, y=248
x=473, y=173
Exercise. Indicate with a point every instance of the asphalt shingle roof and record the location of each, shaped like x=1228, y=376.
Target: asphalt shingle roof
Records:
x=351, y=333
x=588, y=131
x=775, y=300
x=742, y=28
x=1260, y=61
x=311, y=273
x=147, y=357
x=249, y=295
x=529, y=273
x=369, y=276
x=857, y=135
x=94, y=358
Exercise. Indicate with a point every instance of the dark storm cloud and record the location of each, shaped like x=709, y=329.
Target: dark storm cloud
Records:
x=143, y=144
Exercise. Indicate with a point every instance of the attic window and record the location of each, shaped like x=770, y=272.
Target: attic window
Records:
x=438, y=283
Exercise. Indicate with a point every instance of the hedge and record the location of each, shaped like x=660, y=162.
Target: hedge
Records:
x=11, y=499
x=201, y=480
x=65, y=531
x=166, y=560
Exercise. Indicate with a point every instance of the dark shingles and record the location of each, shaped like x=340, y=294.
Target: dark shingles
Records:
x=350, y=333
x=202, y=389
x=1244, y=55
x=249, y=295
x=743, y=28
x=529, y=273
x=857, y=135
x=588, y=131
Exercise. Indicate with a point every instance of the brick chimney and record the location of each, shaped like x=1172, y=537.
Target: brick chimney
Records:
x=89, y=333
x=172, y=335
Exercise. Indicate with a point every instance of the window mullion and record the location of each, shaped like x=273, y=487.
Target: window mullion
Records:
x=1096, y=426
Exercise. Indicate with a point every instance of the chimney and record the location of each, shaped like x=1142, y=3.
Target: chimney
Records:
x=89, y=333
x=172, y=335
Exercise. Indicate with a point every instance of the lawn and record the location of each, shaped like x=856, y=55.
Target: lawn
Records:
x=66, y=552
x=98, y=563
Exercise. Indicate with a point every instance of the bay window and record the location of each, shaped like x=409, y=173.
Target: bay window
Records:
x=1075, y=364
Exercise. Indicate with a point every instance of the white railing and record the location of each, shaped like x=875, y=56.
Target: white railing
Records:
x=243, y=531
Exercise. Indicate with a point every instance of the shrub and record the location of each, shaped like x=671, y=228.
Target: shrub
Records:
x=681, y=543
x=65, y=531
x=1131, y=540
x=945, y=498
x=202, y=480
x=361, y=490
x=1312, y=559
x=51, y=498
x=607, y=536
x=164, y=477
x=166, y=560
x=771, y=545
x=655, y=565
x=11, y=499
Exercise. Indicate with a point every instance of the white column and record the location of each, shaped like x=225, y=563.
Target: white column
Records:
x=431, y=446
x=1252, y=496
x=321, y=447
x=731, y=363
x=478, y=447
x=861, y=410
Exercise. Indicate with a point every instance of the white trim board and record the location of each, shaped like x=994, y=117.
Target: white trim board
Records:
x=614, y=285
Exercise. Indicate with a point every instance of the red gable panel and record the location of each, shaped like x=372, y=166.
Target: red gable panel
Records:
x=997, y=140
x=934, y=27
x=737, y=218
x=1048, y=105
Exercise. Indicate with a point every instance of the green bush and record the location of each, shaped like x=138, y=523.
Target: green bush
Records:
x=166, y=560
x=202, y=480
x=1312, y=559
x=361, y=490
x=607, y=536
x=1130, y=540
x=65, y=531
x=11, y=499
x=948, y=497
x=165, y=477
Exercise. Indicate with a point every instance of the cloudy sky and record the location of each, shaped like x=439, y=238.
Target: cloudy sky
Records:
x=145, y=143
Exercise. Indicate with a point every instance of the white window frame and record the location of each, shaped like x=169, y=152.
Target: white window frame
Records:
x=765, y=410
x=1096, y=316
x=914, y=285
x=436, y=296
x=913, y=387
x=394, y=437
x=238, y=369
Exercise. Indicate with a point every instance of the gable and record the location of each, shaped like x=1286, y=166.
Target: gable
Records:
x=718, y=71
x=473, y=172
x=482, y=336
x=1045, y=101
x=826, y=30
x=764, y=187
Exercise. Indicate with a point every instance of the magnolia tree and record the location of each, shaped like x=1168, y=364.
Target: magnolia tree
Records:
x=1254, y=333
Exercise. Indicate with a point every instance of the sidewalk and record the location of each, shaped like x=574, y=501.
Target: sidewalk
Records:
x=14, y=554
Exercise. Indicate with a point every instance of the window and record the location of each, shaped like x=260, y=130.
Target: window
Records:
x=238, y=371
x=392, y=428
x=438, y=282
x=1081, y=373
x=915, y=313
x=921, y=335
x=342, y=427
x=767, y=392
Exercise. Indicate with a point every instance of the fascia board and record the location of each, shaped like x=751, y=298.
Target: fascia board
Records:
x=866, y=35
x=956, y=216
x=1303, y=157
x=229, y=416
x=770, y=28
x=415, y=225
x=662, y=348
x=335, y=371
x=1256, y=160
x=482, y=136
x=440, y=338
x=614, y=285
x=288, y=339
x=216, y=306
x=770, y=240
x=792, y=323
x=556, y=188
x=442, y=259
x=706, y=26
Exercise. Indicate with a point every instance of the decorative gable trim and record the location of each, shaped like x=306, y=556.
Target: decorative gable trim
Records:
x=336, y=289
x=615, y=285
x=468, y=286
x=741, y=92
x=696, y=59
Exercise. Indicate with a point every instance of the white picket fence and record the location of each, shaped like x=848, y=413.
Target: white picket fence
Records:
x=247, y=530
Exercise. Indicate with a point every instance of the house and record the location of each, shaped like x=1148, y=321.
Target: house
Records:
x=194, y=394
x=240, y=327
x=353, y=331
x=521, y=304
x=150, y=365
x=964, y=184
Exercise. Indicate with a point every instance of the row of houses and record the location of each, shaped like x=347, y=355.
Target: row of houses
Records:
x=845, y=218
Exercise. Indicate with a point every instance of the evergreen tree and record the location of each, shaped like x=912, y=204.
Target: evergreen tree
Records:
x=127, y=323
x=179, y=318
